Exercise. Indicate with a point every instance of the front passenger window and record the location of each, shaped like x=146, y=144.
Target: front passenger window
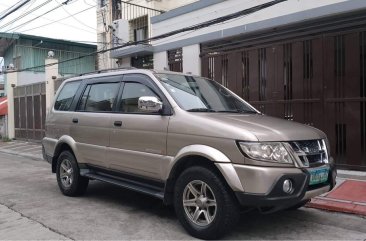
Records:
x=99, y=97
x=130, y=96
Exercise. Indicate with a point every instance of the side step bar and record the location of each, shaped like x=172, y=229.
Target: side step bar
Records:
x=141, y=187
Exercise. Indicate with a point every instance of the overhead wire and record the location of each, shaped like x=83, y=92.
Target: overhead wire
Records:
x=58, y=20
x=37, y=17
x=10, y=10
x=25, y=14
x=190, y=28
x=73, y=16
x=48, y=19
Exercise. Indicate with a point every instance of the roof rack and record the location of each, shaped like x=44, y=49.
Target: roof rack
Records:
x=107, y=70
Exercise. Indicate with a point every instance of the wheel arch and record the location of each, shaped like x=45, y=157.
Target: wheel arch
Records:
x=200, y=155
x=64, y=143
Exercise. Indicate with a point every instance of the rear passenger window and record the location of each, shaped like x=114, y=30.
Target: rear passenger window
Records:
x=99, y=97
x=67, y=94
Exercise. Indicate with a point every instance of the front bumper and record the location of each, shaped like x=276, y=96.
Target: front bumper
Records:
x=277, y=199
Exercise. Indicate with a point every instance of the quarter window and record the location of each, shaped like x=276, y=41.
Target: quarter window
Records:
x=66, y=96
x=99, y=97
x=130, y=96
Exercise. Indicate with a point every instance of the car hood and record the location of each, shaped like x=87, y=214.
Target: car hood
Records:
x=267, y=128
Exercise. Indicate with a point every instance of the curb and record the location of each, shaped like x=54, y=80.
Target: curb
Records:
x=335, y=206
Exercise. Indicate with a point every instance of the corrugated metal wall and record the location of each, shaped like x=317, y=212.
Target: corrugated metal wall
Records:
x=34, y=56
x=319, y=81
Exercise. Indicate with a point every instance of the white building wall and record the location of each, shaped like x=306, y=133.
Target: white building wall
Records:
x=104, y=38
x=166, y=5
x=160, y=60
x=125, y=62
x=104, y=19
x=232, y=6
x=30, y=77
x=191, y=59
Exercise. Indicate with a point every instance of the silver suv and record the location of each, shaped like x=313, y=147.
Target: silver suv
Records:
x=186, y=140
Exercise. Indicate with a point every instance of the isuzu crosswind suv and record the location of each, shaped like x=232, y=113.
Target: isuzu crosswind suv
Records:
x=186, y=140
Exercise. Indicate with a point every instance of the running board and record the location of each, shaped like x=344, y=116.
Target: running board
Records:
x=125, y=183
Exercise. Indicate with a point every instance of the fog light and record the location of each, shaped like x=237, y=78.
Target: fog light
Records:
x=287, y=186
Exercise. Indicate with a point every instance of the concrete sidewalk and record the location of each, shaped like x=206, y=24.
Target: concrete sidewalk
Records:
x=349, y=196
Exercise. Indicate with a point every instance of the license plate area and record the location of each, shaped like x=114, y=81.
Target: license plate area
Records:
x=319, y=175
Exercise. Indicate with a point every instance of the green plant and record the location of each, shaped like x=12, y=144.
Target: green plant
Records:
x=6, y=139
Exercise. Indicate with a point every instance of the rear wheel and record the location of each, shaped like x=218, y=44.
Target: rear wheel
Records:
x=204, y=204
x=68, y=176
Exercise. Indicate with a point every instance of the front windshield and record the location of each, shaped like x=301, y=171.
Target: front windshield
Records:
x=196, y=94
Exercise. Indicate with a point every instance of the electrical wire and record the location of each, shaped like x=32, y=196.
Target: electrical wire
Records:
x=35, y=18
x=10, y=10
x=190, y=28
x=73, y=16
x=25, y=14
x=58, y=20
x=48, y=19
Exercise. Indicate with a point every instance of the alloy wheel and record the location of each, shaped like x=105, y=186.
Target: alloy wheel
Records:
x=199, y=203
x=66, y=173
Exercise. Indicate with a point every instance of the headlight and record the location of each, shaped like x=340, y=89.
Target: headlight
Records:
x=269, y=151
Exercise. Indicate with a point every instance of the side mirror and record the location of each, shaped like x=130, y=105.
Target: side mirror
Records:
x=150, y=104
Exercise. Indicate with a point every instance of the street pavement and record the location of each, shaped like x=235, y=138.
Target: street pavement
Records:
x=32, y=207
x=27, y=149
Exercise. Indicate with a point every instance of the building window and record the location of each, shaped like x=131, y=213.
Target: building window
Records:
x=102, y=3
x=175, y=60
x=143, y=62
x=139, y=29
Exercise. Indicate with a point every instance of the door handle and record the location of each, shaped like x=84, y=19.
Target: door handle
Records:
x=75, y=120
x=118, y=123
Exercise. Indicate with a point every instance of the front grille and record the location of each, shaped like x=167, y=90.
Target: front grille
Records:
x=311, y=153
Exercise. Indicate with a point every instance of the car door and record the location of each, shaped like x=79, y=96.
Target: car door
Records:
x=138, y=139
x=91, y=120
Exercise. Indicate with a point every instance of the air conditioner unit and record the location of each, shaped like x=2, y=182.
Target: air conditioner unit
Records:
x=121, y=32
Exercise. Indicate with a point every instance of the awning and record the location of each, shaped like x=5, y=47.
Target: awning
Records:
x=3, y=106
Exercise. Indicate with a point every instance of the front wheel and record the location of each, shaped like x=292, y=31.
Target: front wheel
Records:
x=204, y=204
x=68, y=176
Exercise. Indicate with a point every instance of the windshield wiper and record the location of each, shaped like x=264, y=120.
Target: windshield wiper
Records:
x=201, y=110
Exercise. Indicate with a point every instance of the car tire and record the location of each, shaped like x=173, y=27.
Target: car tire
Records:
x=299, y=205
x=204, y=204
x=68, y=175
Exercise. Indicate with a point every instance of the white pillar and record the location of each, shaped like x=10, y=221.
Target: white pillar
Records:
x=125, y=62
x=160, y=60
x=191, y=59
x=51, y=73
x=11, y=82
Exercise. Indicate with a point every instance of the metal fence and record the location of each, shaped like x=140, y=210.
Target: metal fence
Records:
x=30, y=111
x=138, y=17
x=319, y=81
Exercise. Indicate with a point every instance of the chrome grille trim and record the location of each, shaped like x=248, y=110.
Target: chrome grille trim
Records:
x=310, y=152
